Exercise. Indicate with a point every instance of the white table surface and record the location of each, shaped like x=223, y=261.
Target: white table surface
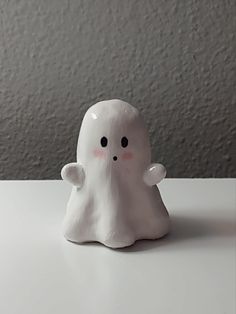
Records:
x=193, y=270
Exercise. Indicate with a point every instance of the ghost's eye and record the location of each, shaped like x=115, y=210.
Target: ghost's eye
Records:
x=124, y=142
x=104, y=141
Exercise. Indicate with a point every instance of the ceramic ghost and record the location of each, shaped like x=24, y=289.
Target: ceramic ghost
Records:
x=114, y=199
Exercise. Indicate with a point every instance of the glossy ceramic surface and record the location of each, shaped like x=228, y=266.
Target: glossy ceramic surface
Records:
x=114, y=198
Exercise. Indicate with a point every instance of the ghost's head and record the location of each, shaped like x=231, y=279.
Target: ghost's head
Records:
x=113, y=134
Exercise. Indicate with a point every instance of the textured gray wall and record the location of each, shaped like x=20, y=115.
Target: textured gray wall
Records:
x=174, y=60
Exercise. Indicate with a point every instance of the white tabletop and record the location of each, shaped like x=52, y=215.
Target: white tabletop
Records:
x=190, y=271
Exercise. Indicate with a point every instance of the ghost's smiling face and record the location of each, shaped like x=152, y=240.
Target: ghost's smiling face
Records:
x=113, y=134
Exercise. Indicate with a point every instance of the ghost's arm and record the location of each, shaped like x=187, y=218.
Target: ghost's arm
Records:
x=154, y=174
x=73, y=173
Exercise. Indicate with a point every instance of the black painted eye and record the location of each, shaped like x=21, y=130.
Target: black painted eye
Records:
x=104, y=141
x=124, y=142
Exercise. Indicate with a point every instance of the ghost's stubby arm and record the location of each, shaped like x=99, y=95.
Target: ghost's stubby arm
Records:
x=74, y=174
x=154, y=174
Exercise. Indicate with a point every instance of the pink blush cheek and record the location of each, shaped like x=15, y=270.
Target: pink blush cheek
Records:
x=99, y=153
x=127, y=156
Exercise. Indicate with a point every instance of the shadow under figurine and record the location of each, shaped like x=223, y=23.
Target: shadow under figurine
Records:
x=114, y=199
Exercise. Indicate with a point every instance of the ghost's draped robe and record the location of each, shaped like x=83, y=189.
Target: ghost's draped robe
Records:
x=115, y=207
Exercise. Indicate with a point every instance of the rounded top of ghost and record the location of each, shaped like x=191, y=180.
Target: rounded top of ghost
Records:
x=110, y=109
x=113, y=128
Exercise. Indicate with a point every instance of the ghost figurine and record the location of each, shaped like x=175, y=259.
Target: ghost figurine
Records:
x=114, y=198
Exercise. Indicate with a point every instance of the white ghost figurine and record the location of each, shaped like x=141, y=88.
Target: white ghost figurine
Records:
x=114, y=199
